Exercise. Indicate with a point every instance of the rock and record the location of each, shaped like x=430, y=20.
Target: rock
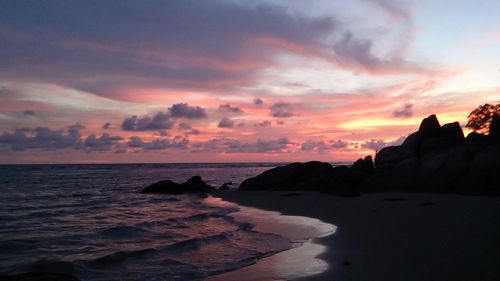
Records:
x=442, y=171
x=453, y=131
x=391, y=155
x=309, y=176
x=312, y=175
x=495, y=129
x=483, y=177
x=39, y=276
x=399, y=178
x=429, y=127
x=451, y=134
x=435, y=159
x=225, y=186
x=363, y=165
x=193, y=185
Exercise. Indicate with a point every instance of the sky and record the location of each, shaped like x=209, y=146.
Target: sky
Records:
x=123, y=81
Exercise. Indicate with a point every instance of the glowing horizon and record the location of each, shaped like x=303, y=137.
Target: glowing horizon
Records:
x=260, y=81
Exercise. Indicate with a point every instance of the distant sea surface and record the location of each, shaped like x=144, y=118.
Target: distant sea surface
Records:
x=91, y=221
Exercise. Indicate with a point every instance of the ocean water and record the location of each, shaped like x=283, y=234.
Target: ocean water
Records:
x=91, y=221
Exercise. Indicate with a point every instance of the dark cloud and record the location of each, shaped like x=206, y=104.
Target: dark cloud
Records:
x=258, y=101
x=184, y=126
x=193, y=132
x=260, y=146
x=228, y=108
x=378, y=144
x=43, y=138
x=123, y=41
x=106, y=126
x=358, y=54
x=264, y=123
x=405, y=112
x=103, y=143
x=280, y=145
x=323, y=146
x=163, y=133
x=29, y=112
x=121, y=151
x=226, y=123
x=188, y=130
x=375, y=144
x=158, y=144
x=183, y=110
x=357, y=50
x=160, y=121
x=314, y=145
x=281, y=110
x=338, y=144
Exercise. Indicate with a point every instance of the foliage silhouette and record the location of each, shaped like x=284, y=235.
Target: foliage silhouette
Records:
x=479, y=119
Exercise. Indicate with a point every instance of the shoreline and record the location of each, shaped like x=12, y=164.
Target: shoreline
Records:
x=299, y=261
x=395, y=236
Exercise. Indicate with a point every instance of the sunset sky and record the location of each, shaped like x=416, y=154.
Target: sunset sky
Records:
x=236, y=81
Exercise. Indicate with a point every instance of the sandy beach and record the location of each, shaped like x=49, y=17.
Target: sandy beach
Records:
x=395, y=236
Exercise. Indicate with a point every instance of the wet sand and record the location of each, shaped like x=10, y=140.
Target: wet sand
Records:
x=393, y=236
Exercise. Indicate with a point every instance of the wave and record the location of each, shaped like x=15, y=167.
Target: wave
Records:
x=120, y=257
x=124, y=232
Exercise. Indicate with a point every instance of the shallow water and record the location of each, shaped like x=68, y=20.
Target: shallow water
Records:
x=91, y=221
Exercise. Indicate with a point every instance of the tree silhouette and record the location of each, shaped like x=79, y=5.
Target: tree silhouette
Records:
x=481, y=117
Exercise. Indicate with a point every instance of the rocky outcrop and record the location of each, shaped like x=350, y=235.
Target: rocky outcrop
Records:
x=313, y=176
x=304, y=176
x=309, y=176
x=226, y=186
x=193, y=185
x=435, y=159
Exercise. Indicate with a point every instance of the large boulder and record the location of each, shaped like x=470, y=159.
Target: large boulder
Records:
x=449, y=135
x=483, y=176
x=312, y=175
x=430, y=127
x=398, y=178
x=363, y=165
x=442, y=171
x=193, y=185
x=495, y=129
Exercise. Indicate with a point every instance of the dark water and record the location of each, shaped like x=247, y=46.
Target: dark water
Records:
x=91, y=221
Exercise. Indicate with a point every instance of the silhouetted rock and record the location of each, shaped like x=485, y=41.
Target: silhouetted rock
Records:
x=483, y=176
x=364, y=165
x=453, y=131
x=312, y=176
x=430, y=127
x=38, y=276
x=400, y=176
x=294, y=176
x=450, y=135
x=435, y=159
x=192, y=185
x=226, y=186
x=495, y=129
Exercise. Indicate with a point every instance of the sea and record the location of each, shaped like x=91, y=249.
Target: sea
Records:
x=91, y=221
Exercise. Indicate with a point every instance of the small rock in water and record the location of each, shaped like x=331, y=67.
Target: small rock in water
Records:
x=225, y=186
x=193, y=185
